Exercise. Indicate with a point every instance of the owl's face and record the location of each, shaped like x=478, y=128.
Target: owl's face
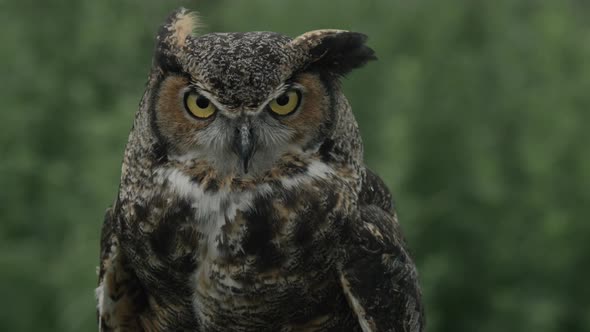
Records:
x=241, y=101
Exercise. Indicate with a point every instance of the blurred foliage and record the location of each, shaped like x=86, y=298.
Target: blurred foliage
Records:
x=477, y=115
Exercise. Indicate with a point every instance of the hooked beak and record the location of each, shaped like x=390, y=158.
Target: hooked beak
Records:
x=243, y=144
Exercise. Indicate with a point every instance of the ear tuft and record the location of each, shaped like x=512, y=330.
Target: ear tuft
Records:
x=335, y=51
x=181, y=24
x=173, y=36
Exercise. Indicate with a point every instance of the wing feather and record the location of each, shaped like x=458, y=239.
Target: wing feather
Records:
x=379, y=277
x=119, y=294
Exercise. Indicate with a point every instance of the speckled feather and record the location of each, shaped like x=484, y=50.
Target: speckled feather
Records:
x=307, y=240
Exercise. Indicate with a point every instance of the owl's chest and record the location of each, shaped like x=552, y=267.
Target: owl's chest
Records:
x=270, y=222
x=272, y=260
x=231, y=255
x=265, y=237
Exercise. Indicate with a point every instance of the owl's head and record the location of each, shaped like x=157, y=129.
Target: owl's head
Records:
x=241, y=101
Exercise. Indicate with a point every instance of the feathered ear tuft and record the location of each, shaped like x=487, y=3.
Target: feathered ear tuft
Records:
x=173, y=35
x=335, y=51
x=181, y=24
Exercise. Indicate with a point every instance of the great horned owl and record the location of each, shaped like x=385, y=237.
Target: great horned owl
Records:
x=244, y=203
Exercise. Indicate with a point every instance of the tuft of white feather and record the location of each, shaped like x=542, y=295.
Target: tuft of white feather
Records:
x=184, y=24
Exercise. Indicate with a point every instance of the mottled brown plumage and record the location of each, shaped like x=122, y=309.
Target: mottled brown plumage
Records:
x=250, y=208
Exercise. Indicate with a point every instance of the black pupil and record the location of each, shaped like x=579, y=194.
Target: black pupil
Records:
x=202, y=102
x=283, y=100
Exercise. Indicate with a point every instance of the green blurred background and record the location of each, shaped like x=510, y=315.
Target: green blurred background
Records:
x=477, y=115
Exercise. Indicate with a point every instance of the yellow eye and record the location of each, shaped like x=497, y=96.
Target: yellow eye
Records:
x=198, y=105
x=285, y=103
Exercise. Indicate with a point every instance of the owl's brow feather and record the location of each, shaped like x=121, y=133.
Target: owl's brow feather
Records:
x=279, y=90
x=198, y=85
x=285, y=86
x=209, y=95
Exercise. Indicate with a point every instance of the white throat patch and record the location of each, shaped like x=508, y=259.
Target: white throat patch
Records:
x=216, y=208
x=220, y=207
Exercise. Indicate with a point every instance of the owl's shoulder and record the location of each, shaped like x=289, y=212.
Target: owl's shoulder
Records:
x=375, y=192
x=377, y=248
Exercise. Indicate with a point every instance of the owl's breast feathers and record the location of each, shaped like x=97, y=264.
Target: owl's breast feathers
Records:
x=301, y=247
